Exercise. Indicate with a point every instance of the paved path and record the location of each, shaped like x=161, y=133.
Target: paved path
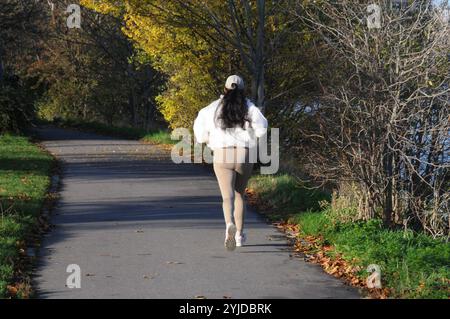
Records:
x=140, y=226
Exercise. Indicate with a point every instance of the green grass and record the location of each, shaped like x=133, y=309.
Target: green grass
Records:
x=284, y=193
x=413, y=265
x=152, y=136
x=24, y=180
x=158, y=137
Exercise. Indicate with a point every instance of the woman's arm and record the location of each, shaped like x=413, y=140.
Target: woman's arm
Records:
x=259, y=122
x=200, y=128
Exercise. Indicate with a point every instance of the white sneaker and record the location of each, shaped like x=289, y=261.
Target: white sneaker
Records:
x=230, y=240
x=240, y=240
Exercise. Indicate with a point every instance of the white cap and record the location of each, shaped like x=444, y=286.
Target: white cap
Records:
x=234, y=79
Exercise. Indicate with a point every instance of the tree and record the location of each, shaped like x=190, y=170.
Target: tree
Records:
x=174, y=52
x=21, y=25
x=93, y=73
x=197, y=44
x=246, y=33
x=382, y=121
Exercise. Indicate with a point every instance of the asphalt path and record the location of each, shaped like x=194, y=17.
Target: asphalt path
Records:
x=140, y=226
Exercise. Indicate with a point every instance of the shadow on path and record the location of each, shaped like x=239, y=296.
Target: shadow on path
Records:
x=140, y=226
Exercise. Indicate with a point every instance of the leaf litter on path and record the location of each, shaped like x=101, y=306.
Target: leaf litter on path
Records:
x=313, y=249
x=150, y=276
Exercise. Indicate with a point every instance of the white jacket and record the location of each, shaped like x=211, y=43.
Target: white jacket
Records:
x=206, y=131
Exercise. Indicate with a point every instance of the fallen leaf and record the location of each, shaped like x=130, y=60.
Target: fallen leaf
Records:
x=313, y=249
x=333, y=270
x=151, y=276
x=12, y=290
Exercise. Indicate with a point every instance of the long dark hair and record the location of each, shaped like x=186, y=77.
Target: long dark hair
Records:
x=232, y=110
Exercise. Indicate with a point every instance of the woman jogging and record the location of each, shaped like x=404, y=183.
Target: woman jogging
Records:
x=230, y=126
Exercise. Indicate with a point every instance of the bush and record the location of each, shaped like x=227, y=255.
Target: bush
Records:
x=16, y=105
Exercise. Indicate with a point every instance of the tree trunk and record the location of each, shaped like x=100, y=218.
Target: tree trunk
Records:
x=1, y=64
x=260, y=91
x=132, y=105
x=260, y=55
x=149, y=115
x=253, y=59
x=387, y=209
x=1, y=70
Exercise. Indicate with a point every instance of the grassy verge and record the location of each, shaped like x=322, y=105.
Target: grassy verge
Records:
x=24, y=180
x=413, y=265
x=284, y=196
x=152, y=136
